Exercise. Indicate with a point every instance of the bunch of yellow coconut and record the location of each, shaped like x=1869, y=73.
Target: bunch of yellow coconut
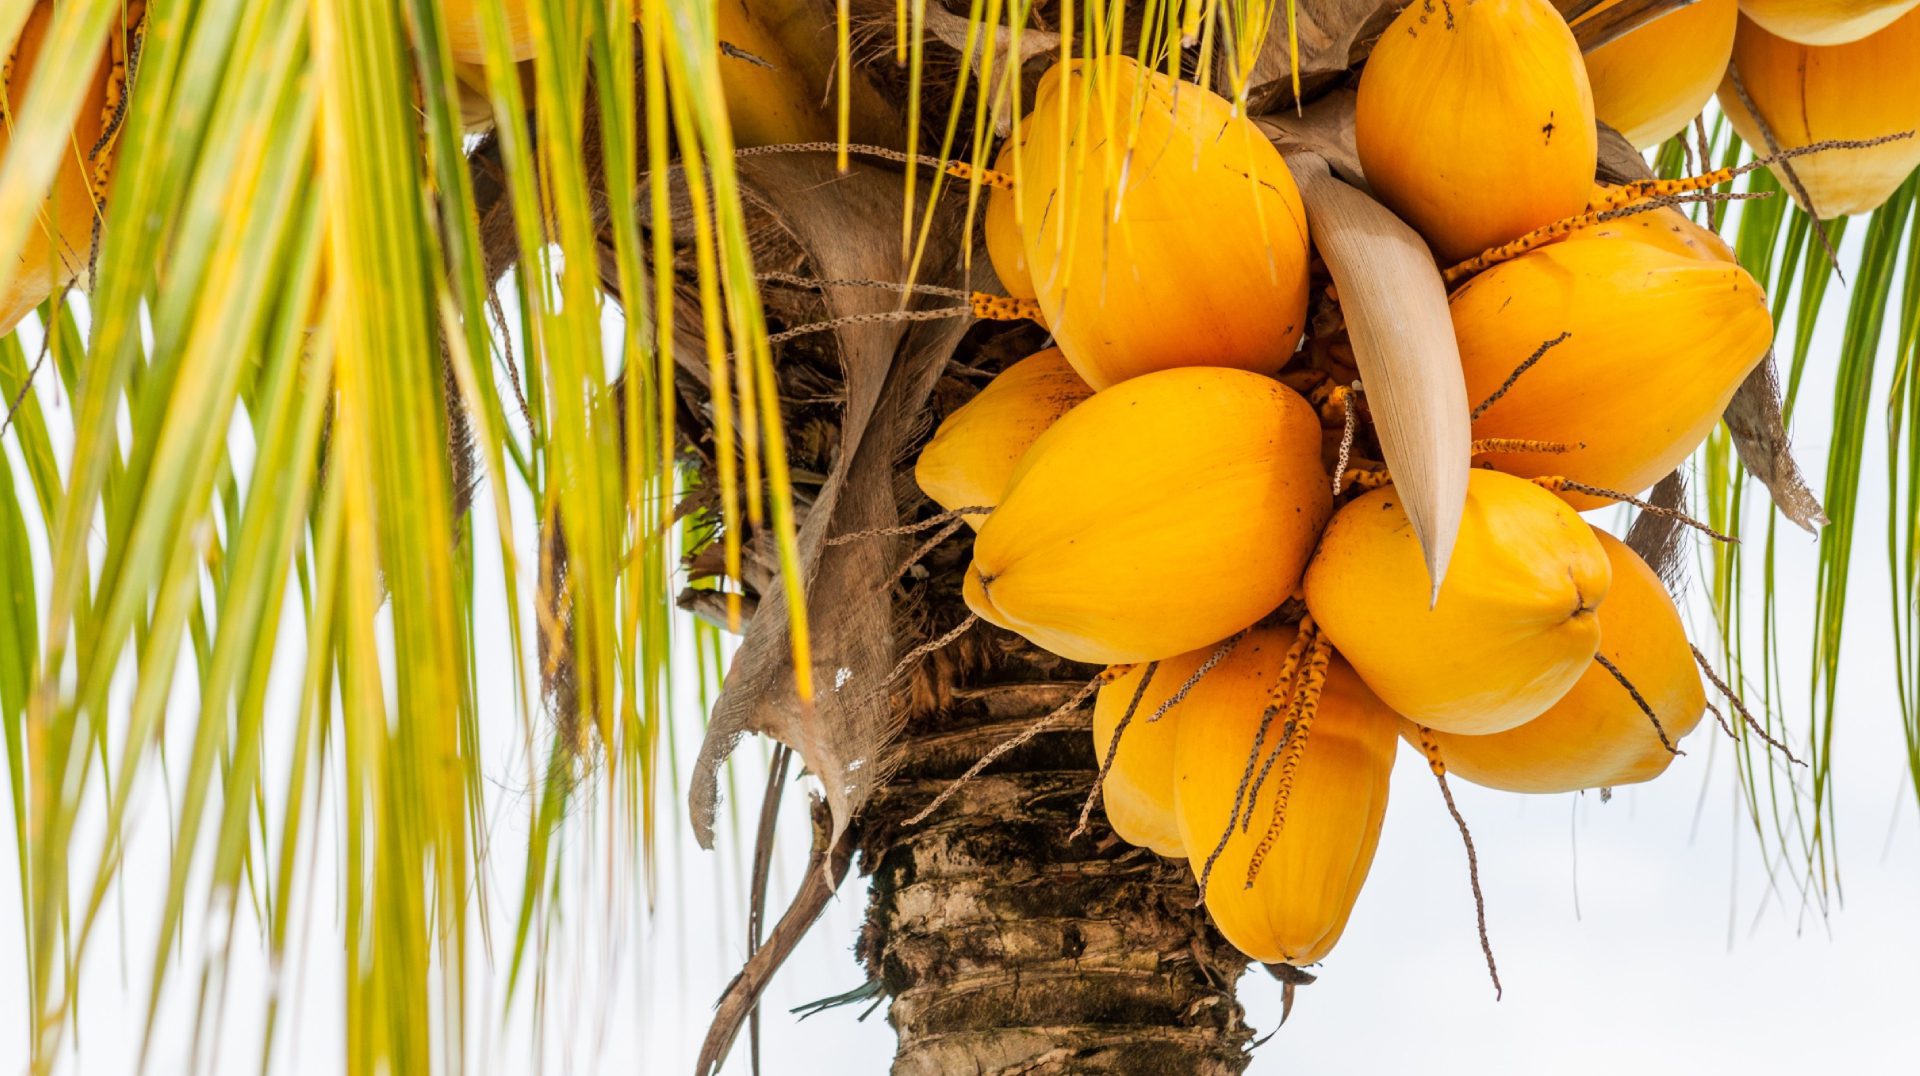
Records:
x=1178, y=491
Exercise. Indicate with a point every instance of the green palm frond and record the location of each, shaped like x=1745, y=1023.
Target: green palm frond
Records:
x=292, y=242
x=1775, y=240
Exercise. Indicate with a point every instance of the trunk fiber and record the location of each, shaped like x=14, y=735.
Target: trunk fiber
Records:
x=1007, y=947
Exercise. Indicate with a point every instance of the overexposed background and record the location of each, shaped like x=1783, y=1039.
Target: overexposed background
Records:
x=1645, y=934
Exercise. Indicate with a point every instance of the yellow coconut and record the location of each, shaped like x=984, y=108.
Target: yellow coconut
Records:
x=1004, y=247
x=1596, y=736
x=1512, y=629
x=1824, y=22
x=769, y=102
x=1812, y=93
x=1310, y=877
x=1137, y=792
x=1659, y=342
x=768, y=98
x=1648, y=83
x=1158, y=516
x=1160, y=229
x=59, y=243
x=1475, y=121
x=974, y=451
x=1667, y=228
x=476, y=101
x=465, y=24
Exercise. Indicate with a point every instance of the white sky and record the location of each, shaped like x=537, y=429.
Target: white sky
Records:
x=1639, y=935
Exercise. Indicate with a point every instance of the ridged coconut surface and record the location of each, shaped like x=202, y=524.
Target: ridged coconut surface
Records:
x=1475, y=121
x=1515, y=625
x=1159, y=516
x=1649, y=83
x=1160, y=228
x=1308, y=881
x=1825, y=22
x=1597, y=736
x=1813, y=93
x=975, y=451
x=1001, y=223
x=1137, y=793
x=1658, y=343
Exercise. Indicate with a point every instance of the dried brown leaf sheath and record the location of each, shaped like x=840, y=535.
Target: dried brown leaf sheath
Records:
x=1402, y=333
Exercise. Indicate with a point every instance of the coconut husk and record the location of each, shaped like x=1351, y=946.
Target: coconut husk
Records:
x=1619, y=162
x=1659, y=537
x=1760, y=435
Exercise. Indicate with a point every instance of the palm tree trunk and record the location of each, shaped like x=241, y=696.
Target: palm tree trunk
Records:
x=1006, y=946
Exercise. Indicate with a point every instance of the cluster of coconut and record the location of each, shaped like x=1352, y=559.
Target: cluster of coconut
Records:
x=1182, y=493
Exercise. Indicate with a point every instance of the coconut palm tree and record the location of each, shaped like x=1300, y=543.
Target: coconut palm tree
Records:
x=677, y=289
